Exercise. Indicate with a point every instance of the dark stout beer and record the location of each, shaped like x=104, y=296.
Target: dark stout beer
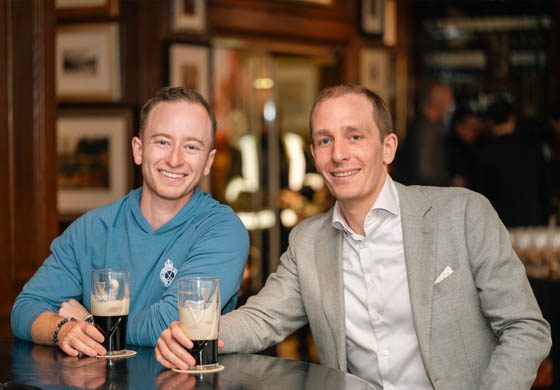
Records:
x=204, y=352
x=110, y=317
x=113, y=329
x=201, y=326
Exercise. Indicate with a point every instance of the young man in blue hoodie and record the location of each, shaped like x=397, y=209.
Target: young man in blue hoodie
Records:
x=160, y=232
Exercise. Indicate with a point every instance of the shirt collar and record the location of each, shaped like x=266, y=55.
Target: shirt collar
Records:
x=388, y=200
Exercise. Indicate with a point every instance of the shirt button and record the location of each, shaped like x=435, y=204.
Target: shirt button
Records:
x=385, y=352
x=365, y=245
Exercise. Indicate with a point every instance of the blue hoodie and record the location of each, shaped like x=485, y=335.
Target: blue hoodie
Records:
x=205, y=238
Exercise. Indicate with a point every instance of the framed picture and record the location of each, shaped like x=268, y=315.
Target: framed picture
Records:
x=373, y=15
x=88, y=62
x=375, y=71
x=189, y=67
x=297, y=83
x=188, y=15
x=87, y=8
x=94, y=158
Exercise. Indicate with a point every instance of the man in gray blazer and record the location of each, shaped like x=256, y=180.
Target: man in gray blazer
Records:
x=407, y=287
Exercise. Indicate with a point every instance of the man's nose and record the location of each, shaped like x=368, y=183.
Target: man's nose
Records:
x=340, y=151
x=174, y=158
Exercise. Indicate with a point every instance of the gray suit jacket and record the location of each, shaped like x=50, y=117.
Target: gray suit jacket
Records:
x=480, y=328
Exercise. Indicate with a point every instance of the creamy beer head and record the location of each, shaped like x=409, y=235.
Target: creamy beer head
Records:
x=199, y=319
x=114, y=307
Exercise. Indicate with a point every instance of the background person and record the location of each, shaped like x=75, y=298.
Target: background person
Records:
x=422, y=158
x=160, y=232
x=512, y=172
x=406, y=287
x=462, y=149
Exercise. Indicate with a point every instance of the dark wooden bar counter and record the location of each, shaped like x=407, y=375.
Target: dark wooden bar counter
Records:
x=27, y=366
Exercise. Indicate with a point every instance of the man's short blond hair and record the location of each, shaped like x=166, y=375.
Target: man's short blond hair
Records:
x=381, y=114
x=175, y=94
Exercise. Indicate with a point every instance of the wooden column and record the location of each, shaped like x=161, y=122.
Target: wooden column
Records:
x=28, y=218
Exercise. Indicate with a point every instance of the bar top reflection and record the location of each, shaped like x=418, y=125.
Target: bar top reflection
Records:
x=27, y=366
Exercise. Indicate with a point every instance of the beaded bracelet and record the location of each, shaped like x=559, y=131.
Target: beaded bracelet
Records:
x=60, y=324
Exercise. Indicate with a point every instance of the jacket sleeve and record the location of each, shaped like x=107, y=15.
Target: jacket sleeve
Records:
x=506, y=300
x=270, y=316
x=220, y=250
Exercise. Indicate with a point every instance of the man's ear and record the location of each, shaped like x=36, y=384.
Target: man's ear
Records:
x=209, y=162
x=390, y=144
x=137, y=150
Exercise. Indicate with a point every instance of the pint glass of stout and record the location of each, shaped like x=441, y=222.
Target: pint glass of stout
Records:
x=110, y=302
x=199, y=315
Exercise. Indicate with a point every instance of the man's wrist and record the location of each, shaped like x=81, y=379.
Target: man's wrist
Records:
x=59, y=326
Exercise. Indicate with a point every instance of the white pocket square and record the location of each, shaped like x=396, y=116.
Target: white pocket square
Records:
x=444, y=274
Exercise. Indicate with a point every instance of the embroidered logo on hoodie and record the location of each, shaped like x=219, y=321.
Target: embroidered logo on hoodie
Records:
x=168, y=273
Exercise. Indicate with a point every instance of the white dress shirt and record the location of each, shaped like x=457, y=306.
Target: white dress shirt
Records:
x=381, y=341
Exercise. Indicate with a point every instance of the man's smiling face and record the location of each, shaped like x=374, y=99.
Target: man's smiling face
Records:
x=174, y=151
x=348, y=151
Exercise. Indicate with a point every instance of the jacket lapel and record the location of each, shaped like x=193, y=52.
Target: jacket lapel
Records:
x=419, y=243
x=328, y=260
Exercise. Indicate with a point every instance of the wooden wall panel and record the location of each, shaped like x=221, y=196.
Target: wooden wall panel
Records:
x=28, y=169
x=286, y=19
x=6, y=237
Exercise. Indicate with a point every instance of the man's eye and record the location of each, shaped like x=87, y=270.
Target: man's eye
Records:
x=356, y=138
x=162, y=142
x=192, y=147
x=324, y=141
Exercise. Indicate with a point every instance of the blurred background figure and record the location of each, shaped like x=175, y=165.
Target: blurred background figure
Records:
x=512, y=172
x=422, y=157
x=462, y=147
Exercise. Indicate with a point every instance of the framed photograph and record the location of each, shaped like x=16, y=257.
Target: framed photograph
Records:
x=375, y=71
x=373, y=15
x=94, y=158
x=189, y=67
x=88, y=62
x=86, y=8
x=188, y=15
x=297, y=83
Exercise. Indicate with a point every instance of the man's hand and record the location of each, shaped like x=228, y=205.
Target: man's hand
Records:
x=72, y=308
x=77, y=338
x=170, y=348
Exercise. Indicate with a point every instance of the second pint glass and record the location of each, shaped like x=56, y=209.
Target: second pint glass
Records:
x=199, y=314
x=110, y=303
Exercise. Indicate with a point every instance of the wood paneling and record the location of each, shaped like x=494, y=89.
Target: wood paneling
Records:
x=28, y=163
x=284, y=19
x=6, y=236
